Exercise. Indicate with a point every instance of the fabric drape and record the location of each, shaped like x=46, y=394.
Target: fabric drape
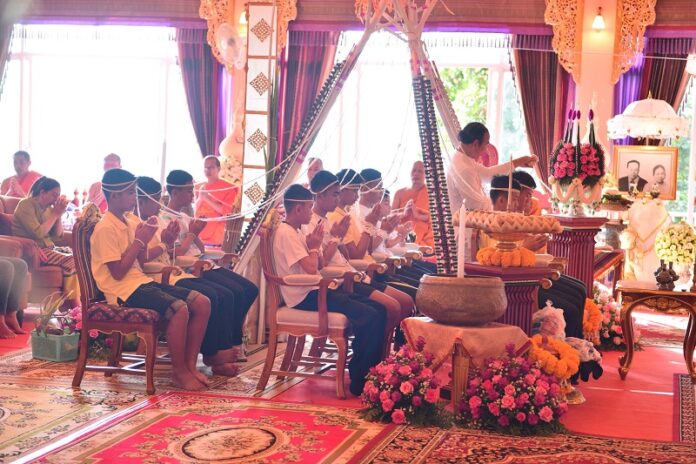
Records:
x=664, y=73
x=201, y=73
x=546, y=91
x=5, y=39
x=627, y=90
x=307, y=63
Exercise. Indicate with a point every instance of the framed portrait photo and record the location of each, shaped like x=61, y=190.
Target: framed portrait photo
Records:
x=647, y=168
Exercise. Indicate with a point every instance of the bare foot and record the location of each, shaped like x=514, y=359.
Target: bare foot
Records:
x=227, y=369
x=5, y=331
x=13, y=323
x=187, y=382
x=201, y=377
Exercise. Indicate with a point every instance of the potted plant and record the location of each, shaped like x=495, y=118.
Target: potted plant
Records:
x=56, y=336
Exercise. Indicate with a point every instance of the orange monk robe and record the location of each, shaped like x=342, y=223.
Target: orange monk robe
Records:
x=214, y=231
x=14, y=186
x=423, y=229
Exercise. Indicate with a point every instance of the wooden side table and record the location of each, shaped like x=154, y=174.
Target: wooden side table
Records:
x=633, y=294
x=521, y=288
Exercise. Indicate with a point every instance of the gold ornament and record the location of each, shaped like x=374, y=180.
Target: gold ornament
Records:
x=632, y=16
x=565, y=17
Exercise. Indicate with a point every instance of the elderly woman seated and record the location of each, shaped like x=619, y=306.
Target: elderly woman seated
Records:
x=38, y=217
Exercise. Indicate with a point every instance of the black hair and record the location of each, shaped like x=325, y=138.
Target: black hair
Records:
x=294, y=195
x=114, y=180
x=634, y=161
x=148, y=186
x=217, y=160
x=502, y=182
x=178, y=178
x=23, y=154
x=321, y=181
x=472, y=132
x=525, y=179
x=349, y=177
x=370, y=175
x=659, y=166
x=43, y=184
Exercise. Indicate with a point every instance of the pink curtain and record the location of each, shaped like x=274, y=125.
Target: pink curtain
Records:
x=304, y=67
x=546, y=92
x=201, y=74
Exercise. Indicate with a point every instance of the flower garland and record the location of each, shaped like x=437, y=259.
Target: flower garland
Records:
x=519, y=257
x=676, y=244
x=591, y=321
x=562, y=365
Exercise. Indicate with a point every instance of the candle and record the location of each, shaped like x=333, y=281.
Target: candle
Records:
x=461, y=246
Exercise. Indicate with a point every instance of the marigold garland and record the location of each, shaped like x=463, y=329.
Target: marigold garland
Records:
x=591, y=321
x=519, y=257
x=561, y=366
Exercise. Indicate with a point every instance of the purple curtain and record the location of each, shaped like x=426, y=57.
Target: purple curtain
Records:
x=201, y=75
x=308, y=60
x=546, y=92
x=627, y=90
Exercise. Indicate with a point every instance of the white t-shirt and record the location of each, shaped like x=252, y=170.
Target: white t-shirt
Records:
x=184, y=220
x=337, y=260
x=465, y=179
x=289, y=248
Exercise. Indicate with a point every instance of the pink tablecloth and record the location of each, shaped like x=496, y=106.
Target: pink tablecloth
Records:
x=479, y=342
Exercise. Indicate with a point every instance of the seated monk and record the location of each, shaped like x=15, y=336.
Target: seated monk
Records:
x=95, y=195
x=20, y=184
x=214, y=198
x=413, y=201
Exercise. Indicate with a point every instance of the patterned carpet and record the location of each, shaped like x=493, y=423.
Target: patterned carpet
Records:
x=38, y=404
x=685, y=409
x=429, y=445
x=199, y=427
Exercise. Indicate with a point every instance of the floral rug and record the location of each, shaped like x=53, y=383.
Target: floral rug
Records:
x=430, y=445
x=685, y=409
x=33, y=415
x=199, y=427
x=38, y=404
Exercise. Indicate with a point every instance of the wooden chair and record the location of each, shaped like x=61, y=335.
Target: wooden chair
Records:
x=112, y=319
x=298, y=324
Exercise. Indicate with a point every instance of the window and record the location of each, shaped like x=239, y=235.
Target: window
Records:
x=373, y=123
x=680, y=207
x=74, y=94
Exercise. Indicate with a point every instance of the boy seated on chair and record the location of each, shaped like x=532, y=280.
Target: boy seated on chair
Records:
x=224, y=330
x=180, y=189
x=297, y=253
x=118, y=250
x=325, y=188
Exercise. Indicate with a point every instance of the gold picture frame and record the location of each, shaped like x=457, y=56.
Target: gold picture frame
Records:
x=647, y=167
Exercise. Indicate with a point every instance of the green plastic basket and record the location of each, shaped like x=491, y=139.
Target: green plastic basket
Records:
x=55, y=347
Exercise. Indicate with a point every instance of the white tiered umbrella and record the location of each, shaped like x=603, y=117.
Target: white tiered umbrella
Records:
x=649, y=118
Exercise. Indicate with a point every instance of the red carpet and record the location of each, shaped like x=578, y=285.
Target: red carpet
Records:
x=185, y=427
x=640, y=406
x=8, y=345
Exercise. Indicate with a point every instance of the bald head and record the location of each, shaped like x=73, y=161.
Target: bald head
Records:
x=418, y=175
x=112, y=161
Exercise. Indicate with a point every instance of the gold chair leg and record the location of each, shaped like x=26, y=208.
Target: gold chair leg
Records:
x=82, y=360
x=287, y=358
x=116, y=350
x=270, y=359
x=150, y=341
x=342, y=347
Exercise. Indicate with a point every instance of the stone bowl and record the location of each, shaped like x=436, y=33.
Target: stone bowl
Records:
x=461, y=300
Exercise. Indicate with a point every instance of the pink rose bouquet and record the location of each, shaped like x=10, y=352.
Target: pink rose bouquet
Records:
x=610, y=331
x=512, y=395
x=402, y=389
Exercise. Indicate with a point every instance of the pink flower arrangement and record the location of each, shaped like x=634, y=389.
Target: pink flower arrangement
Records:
x=402, y=389
x=511, y=394
x=564, y=162
x=610, y=331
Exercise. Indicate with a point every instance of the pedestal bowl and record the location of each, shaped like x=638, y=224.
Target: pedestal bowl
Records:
x=461, y=300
